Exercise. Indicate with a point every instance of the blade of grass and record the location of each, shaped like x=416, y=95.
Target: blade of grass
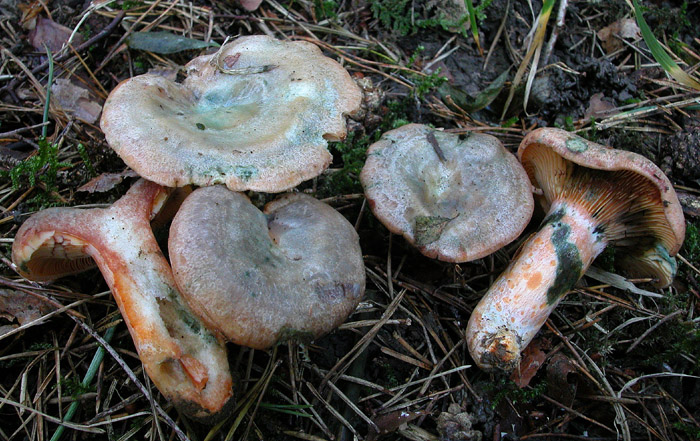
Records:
x=659, y=53
x=472, y=23
x=89, y=375
x=535, y=47
x=44, y=130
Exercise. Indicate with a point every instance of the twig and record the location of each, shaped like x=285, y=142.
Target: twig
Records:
x=89, y=375
x=561, y=13
x=10, y=87
x=22, y=129
x=648, y=331
x=132, y=376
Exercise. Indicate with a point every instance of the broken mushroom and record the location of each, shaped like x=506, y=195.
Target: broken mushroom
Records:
x=595, y=196
x=455, y=197
x=292, y=271
x=186, y=362
x=256, y=115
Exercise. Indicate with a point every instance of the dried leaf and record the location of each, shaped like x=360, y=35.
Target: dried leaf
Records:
x=250, y=5
x=20, y=306
x=75, y=100
x=559, y=385
x=390, y=422
x=484, y=99
x=48, y=32
x=618, y=282
x=597, y=108
x=164, y=42
x=532, y=359
x=610, y=36
x=107, y=181
x=428, y=229
x=30, y=12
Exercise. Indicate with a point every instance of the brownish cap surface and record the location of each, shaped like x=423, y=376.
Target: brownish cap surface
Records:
x=185, y=361
x=649, y=221
x=455, y=197
x=292, y=271
x=254, y=116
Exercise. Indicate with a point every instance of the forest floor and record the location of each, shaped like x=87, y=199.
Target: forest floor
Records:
x=614, y=361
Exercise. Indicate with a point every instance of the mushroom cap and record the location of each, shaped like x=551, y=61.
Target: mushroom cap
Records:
x=470, y=203
x=186, y=362
x=655, y=233
x=292, y=271
x=254, y=116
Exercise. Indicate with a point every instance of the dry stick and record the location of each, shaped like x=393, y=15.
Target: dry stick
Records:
x=10, y=87
x=351, y=405
x=331, y=409
x=561, y=13
x=50, y=418
x=366, y=339
x=23, y=129
x=648, y=331
x=132, y=376
x=498, y=35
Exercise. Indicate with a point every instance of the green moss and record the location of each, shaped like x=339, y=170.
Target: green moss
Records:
x=74, y=387
x=42, y=167
x=325, y=8
x=353, y=152
x=507, y=389
x=691, y=245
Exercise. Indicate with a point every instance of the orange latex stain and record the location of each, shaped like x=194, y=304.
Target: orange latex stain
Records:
x=195, y=370
x=534, y=280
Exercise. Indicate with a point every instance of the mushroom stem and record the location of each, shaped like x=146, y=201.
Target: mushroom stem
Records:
x=185, y=361
x=519, y=302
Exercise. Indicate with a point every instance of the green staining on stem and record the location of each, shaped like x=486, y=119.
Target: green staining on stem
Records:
x=569, y=263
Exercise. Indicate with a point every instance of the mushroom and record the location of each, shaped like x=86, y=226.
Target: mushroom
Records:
x=186, y=362
x=256, y=115
x=595, y=196
x=294, y=270
x=455, y=197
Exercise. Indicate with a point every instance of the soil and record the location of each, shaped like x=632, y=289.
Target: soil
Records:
x=605, y=356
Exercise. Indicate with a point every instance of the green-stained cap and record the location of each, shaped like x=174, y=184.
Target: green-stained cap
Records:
x=455, y=197
x=256, y=115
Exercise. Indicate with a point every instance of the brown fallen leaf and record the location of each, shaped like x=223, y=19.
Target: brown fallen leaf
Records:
x=610, y=36
x=48, y=32
x=532, y=359
x=30, y=12
x=598, y=108
x=76, y=100
x=250, y=5
x=560, y=385
x=107, y=181
x=20, y=307
x=391, y=422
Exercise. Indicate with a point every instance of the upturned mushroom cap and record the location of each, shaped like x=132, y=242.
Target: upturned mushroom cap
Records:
x=292, y=271
x=455, y=197
x=185, y=361
x=254, y=116
x=652, y=227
